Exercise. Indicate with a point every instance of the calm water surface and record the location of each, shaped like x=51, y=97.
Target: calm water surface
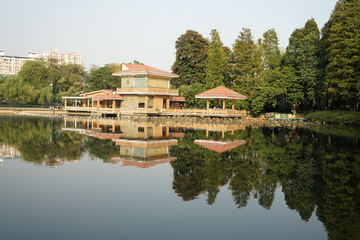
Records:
x=88, y=179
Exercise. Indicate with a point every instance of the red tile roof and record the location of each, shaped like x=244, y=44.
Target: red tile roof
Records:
x=107, y=91
x=177, y=99
x=130, y=69
x=109, y=97
x=219, y=147
x=220, y=92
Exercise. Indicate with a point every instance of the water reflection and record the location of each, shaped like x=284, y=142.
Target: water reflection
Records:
x=41, y=141
x=318, y=173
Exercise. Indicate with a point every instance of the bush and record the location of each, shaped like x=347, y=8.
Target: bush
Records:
x=338, y=117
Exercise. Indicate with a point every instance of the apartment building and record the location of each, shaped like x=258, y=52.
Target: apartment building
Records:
x=64, y=58
x=11, y=65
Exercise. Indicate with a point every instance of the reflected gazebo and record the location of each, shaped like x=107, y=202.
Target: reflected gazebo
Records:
x=220, y=145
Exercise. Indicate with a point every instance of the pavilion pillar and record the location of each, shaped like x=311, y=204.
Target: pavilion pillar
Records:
x=146, y=102
x=207, y=134
x=168, y=103
x=232, y=107
x=217, y=103
x=224, y=103
x=223, y=135
x=114, y=104
x=84, y=103
x=65, y=103
x=232, y=135
x=207, y=105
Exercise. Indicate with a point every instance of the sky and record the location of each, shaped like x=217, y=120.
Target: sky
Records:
x=117, y=31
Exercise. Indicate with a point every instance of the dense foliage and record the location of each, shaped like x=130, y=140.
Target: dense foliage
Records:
x=319, y=69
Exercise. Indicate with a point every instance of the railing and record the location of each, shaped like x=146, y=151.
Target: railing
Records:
x=148, y=89
x=100, y=109
x=205, y=111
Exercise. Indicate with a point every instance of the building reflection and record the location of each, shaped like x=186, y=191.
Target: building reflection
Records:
x=141, y=145
x=144, y=145
x=8, y=152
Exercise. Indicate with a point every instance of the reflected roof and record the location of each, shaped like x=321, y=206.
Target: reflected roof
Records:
x=219, y=147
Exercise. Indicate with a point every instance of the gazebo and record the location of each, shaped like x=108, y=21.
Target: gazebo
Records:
x=220, y=92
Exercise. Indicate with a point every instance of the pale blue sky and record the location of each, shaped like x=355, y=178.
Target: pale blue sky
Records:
x=122, y=31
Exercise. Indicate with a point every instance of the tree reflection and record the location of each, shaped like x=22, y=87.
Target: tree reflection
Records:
x=315, y=171
x=103, y=149
x=41, y=141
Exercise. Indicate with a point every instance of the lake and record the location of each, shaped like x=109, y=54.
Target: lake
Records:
x=103, y=179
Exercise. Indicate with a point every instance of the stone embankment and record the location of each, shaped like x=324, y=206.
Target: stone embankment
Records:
x=190, y=120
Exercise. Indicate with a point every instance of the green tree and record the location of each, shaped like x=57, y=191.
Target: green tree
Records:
x=301, y=54
x=35, y=73
x=190, y=61
x=271, y=51
x=282, y=85
x=102, y=78
x=244, y=71
x=343, y=54
x=215, y=62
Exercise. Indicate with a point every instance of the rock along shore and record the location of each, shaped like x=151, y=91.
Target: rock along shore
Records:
x=183, y=120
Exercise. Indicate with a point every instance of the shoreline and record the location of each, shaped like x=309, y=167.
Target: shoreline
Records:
x=175, y=120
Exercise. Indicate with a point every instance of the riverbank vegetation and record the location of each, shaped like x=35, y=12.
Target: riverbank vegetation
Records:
x=336, y=117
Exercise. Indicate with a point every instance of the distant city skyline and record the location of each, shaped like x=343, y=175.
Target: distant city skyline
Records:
x=119, y=32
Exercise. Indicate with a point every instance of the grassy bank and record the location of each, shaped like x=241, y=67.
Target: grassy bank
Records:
x=336, y=117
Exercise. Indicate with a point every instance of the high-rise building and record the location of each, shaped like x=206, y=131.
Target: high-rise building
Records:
x=11, y=65
x=64, y=58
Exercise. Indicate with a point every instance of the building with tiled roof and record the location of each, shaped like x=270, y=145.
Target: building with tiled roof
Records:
x=146, y=89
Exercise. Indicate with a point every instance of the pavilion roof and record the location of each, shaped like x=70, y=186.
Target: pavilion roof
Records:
x=220, y=92
x=108, y=97
x=219, y=147
x=105, y=91
x=133, y=69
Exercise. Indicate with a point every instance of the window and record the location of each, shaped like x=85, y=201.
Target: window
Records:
x=139, y=82
x=141, y=101
x=151, y=102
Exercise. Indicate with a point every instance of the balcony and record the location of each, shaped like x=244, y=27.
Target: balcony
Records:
x=93, y=109
x=205, y=112
x=148, y=90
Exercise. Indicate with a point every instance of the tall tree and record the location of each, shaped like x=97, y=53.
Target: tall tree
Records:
x=301, y=54
x=271, y=51
x=343, y=54
x=215, y=62
x=244, y=69
x=191, y=54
